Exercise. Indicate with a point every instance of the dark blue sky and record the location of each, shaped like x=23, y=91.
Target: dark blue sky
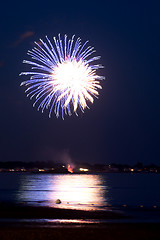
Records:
x=123, y=125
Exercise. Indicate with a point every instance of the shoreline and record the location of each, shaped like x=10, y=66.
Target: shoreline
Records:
x=23, y=211
x=29, y=222
x=17, y=211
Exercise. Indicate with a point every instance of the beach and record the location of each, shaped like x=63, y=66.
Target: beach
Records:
x=20, y=211
x=110, y=231
x=28, y=222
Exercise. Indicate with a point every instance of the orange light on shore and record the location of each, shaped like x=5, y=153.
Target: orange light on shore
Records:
x=41, y=170
x=69, y=168
x=83, y=169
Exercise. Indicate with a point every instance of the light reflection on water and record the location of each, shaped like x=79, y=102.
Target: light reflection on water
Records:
x=74, y=190
x=81, y=191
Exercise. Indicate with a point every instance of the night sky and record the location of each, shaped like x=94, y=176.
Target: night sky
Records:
x=123, y=125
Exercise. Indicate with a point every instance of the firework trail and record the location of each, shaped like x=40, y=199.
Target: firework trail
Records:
x=63, y=77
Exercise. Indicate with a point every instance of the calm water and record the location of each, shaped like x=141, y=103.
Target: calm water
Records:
x=81, y=191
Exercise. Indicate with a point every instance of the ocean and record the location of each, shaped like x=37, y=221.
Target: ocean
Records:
x=82, y=191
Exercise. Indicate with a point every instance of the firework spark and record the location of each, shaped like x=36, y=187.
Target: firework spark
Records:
x=64, y=77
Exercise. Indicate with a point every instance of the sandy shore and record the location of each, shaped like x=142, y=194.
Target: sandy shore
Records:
x=30, y=212
x=18, y=230
x=110, y=231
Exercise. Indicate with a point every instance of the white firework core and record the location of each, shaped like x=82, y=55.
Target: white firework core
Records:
x=65, y=78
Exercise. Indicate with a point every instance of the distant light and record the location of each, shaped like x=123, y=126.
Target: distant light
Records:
x=132, y=170
x=23, y=170
x=70, y=168
x=41, y=170
x=83, y=169
x=109, y=205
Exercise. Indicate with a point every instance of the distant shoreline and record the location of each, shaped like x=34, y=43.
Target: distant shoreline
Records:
x=76, y=167
x=82, y=173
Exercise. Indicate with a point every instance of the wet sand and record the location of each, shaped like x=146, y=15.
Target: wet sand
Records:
x=110, y=231
x=30, y=212
x=98, y=231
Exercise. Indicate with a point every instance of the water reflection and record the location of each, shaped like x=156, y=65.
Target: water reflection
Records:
x=74, y=191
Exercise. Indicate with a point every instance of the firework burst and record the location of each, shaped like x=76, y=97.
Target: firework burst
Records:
x=63, y=76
